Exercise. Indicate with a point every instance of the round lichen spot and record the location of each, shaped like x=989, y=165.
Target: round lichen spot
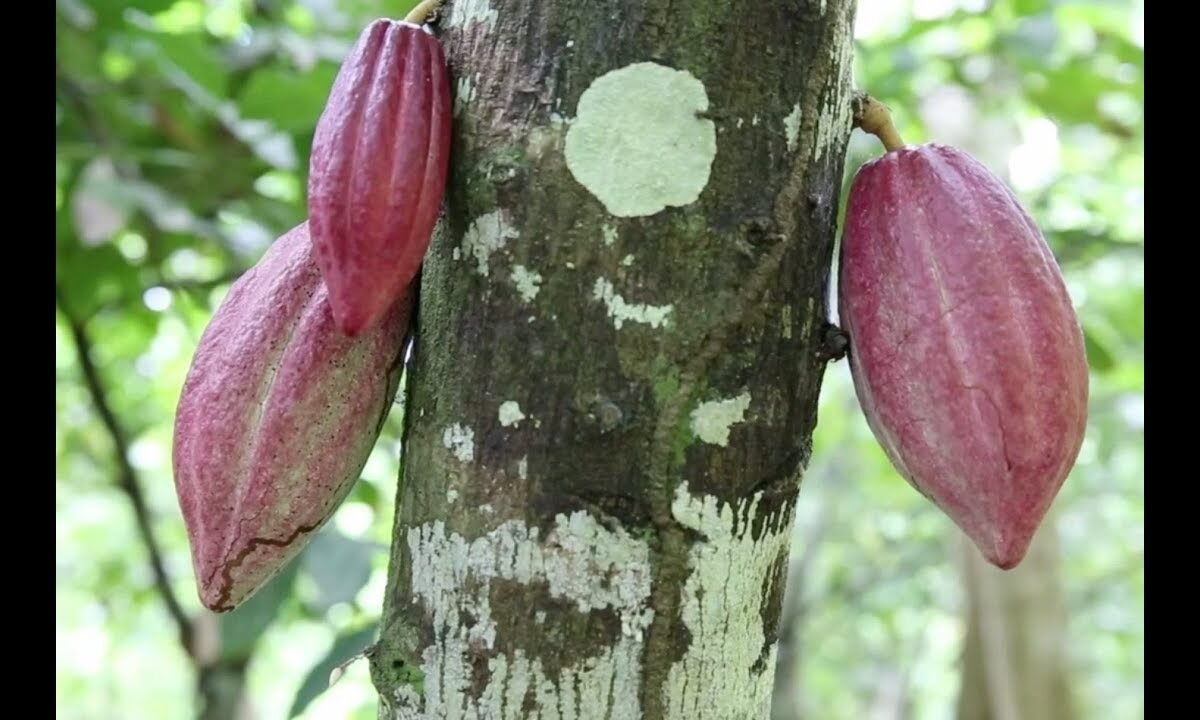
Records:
x=637, y=143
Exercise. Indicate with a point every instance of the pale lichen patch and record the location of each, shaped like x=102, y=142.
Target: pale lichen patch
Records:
x=451, y=496
x=510, y=413
x=469, y=12
x=526, y=281
x=523, y=467
x=543, y=140
x=621, y=311
x=637, y=142
x=487, y=234
x=609, y=233
x=627, y=260
x=460, y=441
x=711, y=420
x=725, y=672
x=791, y=127
x=464, y=93
x=407, y=704
x=578, y=560
x=834, y=123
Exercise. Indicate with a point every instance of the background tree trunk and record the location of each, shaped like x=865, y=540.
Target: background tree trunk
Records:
x=617, y=358
x=223, y=692
x=1014, y=663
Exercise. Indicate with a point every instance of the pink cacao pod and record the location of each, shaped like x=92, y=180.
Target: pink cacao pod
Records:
x=377, y=171
x=276, y=419
x=966, y=352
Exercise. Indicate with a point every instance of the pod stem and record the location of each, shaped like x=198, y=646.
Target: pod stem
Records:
x=872, y=116
x=422, y=11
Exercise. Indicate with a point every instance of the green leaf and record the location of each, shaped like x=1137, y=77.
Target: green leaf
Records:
x=92, y=277
x=1029, y=7
x=396, y=9
x=76, y=54
x=340, y=565
x=291, y=102
x=197, y=58
x=1036, y=37
x=317, y=680
x=112, y=13
x=365, y=493
x=241, y=628
x=1098, y=354
x=1070, y=93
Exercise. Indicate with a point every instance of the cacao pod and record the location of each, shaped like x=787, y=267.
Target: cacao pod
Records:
x=966, y=353
x=277, y=416
x=377, y=171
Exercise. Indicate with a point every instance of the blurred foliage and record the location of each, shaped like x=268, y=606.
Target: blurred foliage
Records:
x=183, y=130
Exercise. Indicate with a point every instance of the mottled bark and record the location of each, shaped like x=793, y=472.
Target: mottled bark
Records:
x=617, y=359
x=1015, y=664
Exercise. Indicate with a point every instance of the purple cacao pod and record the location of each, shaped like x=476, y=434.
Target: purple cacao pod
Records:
x=966, y=352
x=377, y=172
x=277, y=416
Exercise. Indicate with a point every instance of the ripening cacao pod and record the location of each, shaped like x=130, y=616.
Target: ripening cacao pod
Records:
x=377, y=171
x=966, y=352
x=277, y=416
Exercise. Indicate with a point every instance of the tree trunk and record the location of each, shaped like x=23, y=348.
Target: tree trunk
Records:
x=220, y=675
x=617, y=358
x=223, y=693
x=1015, y=665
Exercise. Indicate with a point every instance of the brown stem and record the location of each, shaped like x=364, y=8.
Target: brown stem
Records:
x=872, y=116
x=422, y=11
x=127, y=478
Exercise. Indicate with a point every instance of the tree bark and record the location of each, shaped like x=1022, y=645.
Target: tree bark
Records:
x=618, y=353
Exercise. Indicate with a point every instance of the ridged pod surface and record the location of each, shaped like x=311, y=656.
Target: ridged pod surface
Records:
x=966, y=352
x=377, y=171
x=276, y=419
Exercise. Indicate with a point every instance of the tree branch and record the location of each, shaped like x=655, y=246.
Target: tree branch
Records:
x=201, y=285
x=191, y=286
x=127, y=479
